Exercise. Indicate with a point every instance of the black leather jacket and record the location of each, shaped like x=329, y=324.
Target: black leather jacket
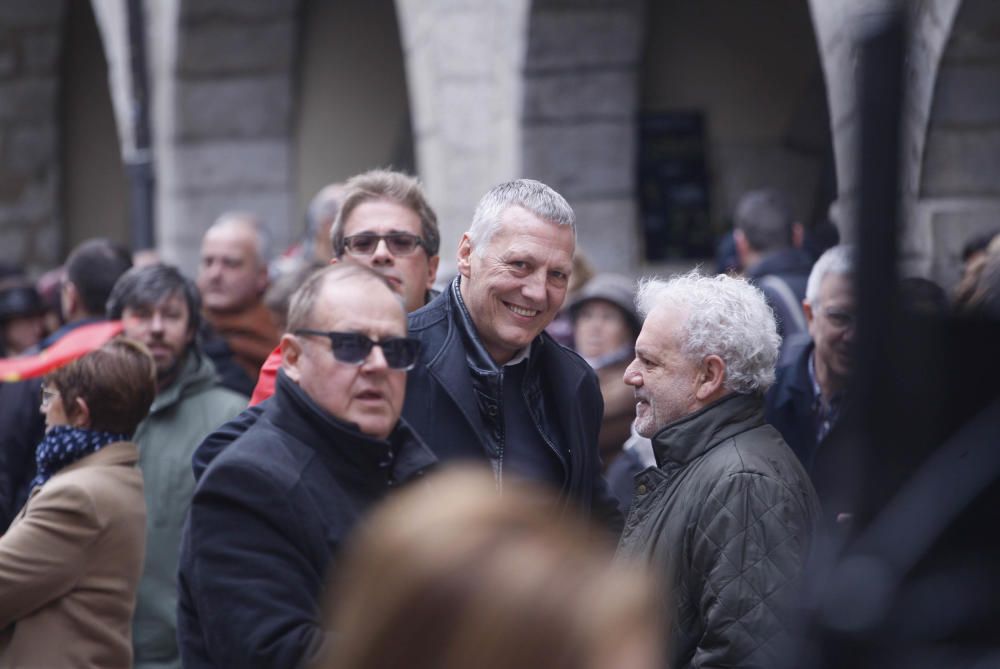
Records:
x=450, y=389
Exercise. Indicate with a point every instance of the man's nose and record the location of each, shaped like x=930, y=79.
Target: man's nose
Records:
x=381, y=255
x=156, y=322
x=375, y=361
x=632, y=376
x=534, y=287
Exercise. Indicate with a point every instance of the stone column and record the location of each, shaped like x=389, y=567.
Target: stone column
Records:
x=579, y=129
x=463, y=64
x=224, y=82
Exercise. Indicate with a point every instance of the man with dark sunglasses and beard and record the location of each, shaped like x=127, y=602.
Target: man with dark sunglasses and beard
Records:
x=161, y=308
x=271, y=511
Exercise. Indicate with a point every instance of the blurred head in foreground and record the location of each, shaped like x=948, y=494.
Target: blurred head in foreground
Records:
x=450, y=575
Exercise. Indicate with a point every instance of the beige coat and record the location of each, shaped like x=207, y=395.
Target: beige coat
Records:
x=70, y=565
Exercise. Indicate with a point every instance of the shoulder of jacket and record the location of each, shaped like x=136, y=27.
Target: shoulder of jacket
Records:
x=428, y=315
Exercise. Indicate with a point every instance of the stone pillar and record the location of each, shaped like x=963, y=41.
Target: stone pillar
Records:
x=579, y=131
x=224, y=83
x=463, y=64
x=30, y=42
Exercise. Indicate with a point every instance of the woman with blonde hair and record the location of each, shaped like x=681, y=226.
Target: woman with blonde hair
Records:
x=71, y=559
x=450, y=575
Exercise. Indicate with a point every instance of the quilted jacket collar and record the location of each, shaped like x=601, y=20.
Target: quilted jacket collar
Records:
x=693, y=435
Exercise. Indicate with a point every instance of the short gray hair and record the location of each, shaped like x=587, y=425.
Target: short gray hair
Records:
x=249, y=221
x=765, y=218
x=723, y=316
x=303, y=300
x=836, y=260
x=534, y=196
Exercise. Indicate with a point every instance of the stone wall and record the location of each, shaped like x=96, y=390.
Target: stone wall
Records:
x=29, y=134
x=959, y=185
x=227, y=144
x=578, y=119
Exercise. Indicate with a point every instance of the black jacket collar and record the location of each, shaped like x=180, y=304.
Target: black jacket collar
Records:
x=693, y=435
x=401, y=456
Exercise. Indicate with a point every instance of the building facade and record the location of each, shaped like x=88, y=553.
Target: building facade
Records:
x=650, y=117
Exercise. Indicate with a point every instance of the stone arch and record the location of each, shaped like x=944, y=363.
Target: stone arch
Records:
x=957, y=189
x=95, y=190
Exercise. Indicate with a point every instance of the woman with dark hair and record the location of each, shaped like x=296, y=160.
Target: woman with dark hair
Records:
x=71, y=559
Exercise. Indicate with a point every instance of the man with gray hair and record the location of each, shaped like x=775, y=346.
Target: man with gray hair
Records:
x=767, y=240
x=809, y=393
x=729, y=512
x=490, y=384
x=232, y=278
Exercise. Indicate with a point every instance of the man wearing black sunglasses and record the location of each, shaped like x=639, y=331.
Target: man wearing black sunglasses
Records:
x=272, y=510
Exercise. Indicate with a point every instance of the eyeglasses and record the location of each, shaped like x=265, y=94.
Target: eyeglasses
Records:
x=841, y=320
x=49, y=394
x=398, y=243
x=353, y=348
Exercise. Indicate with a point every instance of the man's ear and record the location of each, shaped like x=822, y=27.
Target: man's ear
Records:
x=81, y=413
x=69, y=299
x=710, y=379
x=465, y=256
x=798, y=235
x=291, y=356
x=262, y=279
x=808, y=311
x=742, y=246
x=432, y=270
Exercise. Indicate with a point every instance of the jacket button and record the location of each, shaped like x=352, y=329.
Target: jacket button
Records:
x=492, y=410
x=642, y=488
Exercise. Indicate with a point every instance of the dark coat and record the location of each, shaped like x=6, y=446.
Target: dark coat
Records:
x=791, y=266
x=789, y=402
x=727, y=517
x=563, y=394
x=268, y=516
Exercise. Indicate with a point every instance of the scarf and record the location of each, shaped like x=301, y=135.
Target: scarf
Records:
x=64, y=444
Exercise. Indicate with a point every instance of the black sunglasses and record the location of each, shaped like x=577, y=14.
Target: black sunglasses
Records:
x=398, y=243
x=353, y=348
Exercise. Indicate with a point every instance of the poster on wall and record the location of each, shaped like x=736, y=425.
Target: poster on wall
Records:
x=673, y=186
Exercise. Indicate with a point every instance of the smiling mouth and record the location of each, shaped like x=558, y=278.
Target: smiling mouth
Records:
x=522, y=311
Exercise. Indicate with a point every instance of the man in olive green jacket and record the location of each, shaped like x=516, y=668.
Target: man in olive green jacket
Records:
x=160, y=308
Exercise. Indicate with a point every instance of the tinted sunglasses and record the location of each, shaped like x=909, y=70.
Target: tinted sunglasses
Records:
x=398, y=243
x=353, y=348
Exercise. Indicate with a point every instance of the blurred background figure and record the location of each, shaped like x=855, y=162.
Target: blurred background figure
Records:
x=605, y=325
x=974, y=259
x=489, y=582
x=767, y=240
x=70, y=562
x=22, y=323
x=232, y=278
x=561, y=327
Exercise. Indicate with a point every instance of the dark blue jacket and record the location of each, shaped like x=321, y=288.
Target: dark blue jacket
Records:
x=268, y=516
x=562, y=391
x=789, y=402
x=791, y=266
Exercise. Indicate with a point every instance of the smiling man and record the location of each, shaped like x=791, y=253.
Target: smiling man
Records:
x=160, y=308
x=810, y=391
x=728, y=513
x=272, y=510
x=490, y=384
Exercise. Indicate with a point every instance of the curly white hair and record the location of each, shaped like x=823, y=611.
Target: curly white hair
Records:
x=723, y=316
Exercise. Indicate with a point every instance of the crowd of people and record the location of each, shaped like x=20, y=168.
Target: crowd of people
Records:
x=339, y=458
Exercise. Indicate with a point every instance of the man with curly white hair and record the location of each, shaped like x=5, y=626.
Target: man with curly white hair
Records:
x=728, y=513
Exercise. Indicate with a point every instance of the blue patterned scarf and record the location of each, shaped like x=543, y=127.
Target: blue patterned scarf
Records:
x=64, y=445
